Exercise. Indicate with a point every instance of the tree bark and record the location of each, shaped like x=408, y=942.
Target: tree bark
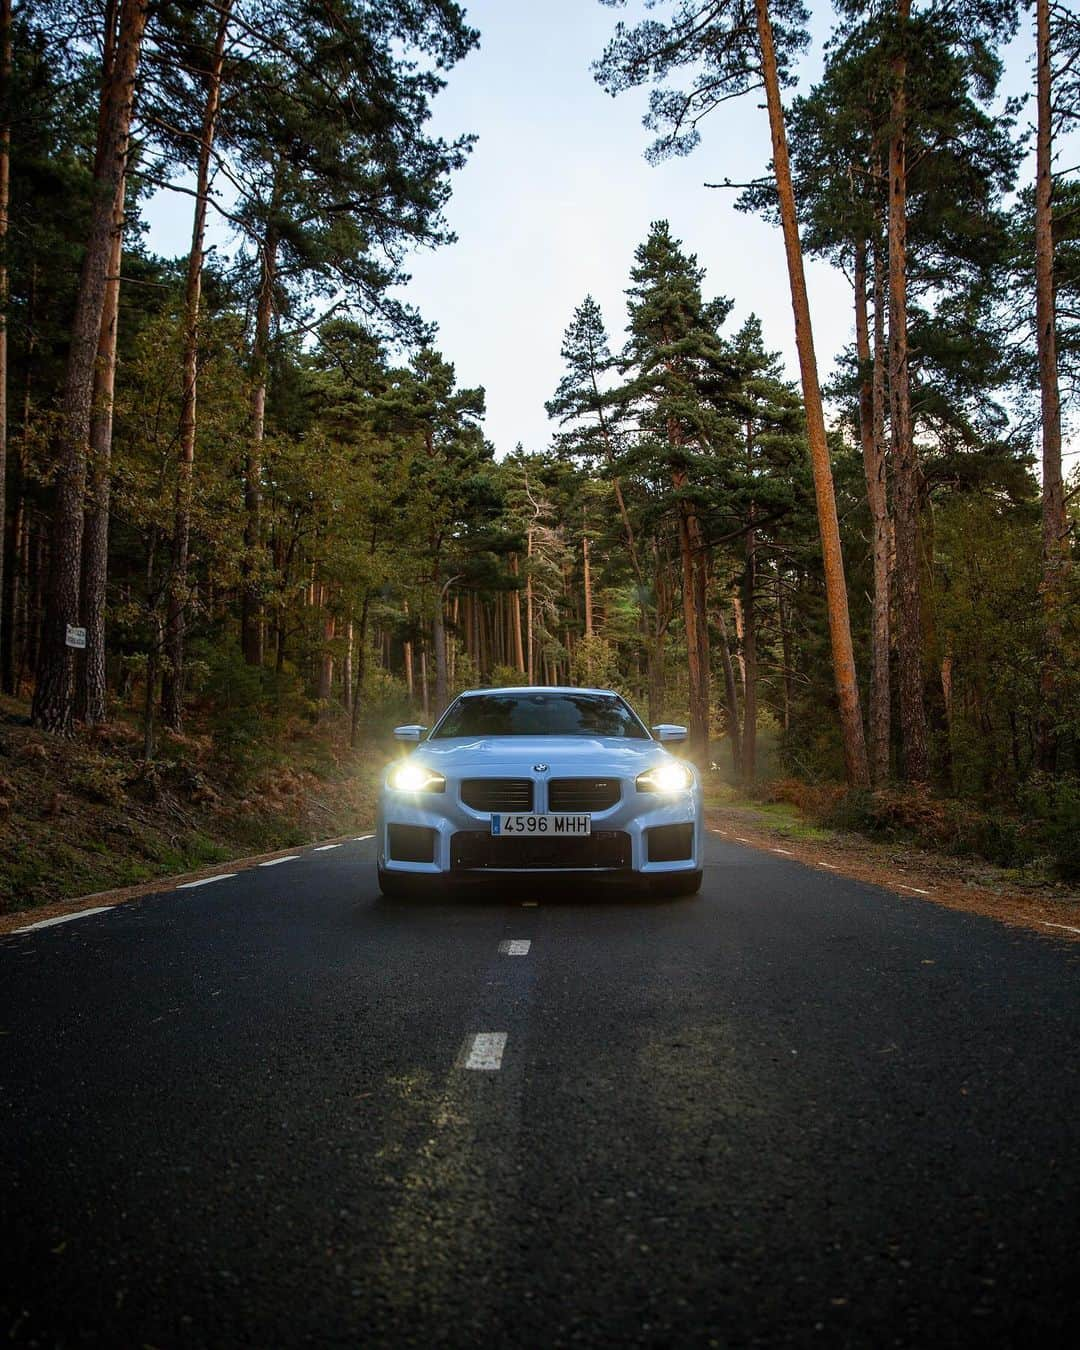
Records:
x=873, y=453
x=90, y=694
x=1055, y=539
x=588, y=580
x=251, y=628
x=529, y=655
x=847, y=689
x=749, y=589
x=360, y=671
x=5, y=193
x=54, y=692
x=905, y=467
x=172, y=688
x=731, y=696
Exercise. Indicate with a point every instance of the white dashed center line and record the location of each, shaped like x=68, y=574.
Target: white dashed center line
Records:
x=273, y=862
x=361, y=837
x=204, y=881
x=63, y=918
x=1044, y=923
x=914, y=889
x=484, y=1050
x=741, y=839
x=529, y=904
x=786, y=851
x=830, y=866
x=325, y=848
x=515, y=947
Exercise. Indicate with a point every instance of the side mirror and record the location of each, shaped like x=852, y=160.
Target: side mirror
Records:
x=668, y=731
x=414, y=732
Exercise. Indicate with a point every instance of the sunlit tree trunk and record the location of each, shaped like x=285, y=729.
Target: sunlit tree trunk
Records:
x=843, y=657
x=1055, y=538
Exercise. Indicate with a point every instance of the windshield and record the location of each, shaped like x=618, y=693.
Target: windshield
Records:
x=532, y=714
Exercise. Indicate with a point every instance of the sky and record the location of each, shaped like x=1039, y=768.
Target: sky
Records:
x=557, y=195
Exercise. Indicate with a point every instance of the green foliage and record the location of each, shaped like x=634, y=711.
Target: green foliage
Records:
x=249, y=709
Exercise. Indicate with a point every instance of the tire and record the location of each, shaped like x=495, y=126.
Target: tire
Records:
x=679, y=883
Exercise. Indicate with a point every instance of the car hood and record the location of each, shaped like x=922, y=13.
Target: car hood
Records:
x=510, y=755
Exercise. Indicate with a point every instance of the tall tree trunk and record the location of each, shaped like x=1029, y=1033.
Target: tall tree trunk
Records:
x=847, y=688
x=5, y=192
x=749, y=596
x=90, y=694
x=424, y=694
x=54, y=692
x=515, y=618
x=905, y=467
x=172, y=688
x=529, y=655
x=1055, y=538
x=588, y=579
x=18, y=573
x=695, y=618
x=347, y=669
x=873, y=453
x=785, y=646
x=360, y=671
x=251, y=627
x=731, y=696
x=438, y=640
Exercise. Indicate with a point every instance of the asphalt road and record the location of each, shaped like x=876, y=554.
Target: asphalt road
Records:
x=796, y=1110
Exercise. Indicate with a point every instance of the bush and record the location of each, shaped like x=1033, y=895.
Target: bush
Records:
x=1055, y=805
x=249, y=709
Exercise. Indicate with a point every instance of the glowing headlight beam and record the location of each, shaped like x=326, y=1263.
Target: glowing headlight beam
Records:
x=670, y=777
x=409, y=777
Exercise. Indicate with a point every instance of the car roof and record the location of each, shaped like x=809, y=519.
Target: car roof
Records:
x=539, y=689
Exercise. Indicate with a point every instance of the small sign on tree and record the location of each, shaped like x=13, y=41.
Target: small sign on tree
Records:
x=76, y=637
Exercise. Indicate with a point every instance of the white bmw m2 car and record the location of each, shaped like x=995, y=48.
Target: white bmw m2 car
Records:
x=540, y=782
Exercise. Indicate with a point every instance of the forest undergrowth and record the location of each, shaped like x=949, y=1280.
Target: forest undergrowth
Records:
x=90, y=814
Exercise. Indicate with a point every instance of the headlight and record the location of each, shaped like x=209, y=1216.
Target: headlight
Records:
x=410, y=777
x=670, y=776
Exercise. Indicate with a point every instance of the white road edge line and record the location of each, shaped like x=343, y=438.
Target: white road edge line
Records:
x=325, y=848
x=63, y=918
x=204, y=881
x=1045, y=923
x=515, y=947
x=901, y=887
x=273, y=862
x=484, y=1050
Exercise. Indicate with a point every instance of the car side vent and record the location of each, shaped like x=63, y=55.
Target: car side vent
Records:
x=497, y=794
x=583, y=794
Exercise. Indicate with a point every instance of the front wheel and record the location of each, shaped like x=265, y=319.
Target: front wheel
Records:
x=676, y=883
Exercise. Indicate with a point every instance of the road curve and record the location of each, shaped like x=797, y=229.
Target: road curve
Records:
x=277, y=1110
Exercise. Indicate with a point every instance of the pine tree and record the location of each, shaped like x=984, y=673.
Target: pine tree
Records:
x=731, y=47
x=680, y=373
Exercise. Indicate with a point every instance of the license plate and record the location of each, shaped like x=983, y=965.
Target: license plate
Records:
x=554, y=825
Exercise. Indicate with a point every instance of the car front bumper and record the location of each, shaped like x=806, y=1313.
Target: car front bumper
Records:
x=461, y=845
